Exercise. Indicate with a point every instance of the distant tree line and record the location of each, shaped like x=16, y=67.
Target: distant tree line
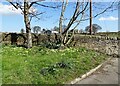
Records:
x=38, y=29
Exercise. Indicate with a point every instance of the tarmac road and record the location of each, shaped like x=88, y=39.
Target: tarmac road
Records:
x=107, y=74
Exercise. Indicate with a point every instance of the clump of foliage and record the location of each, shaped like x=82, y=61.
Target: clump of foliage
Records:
x=54, y=68
x=95, y=28
x=51, y=44
x=36, y=29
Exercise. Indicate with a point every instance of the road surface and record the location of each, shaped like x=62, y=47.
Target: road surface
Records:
x=107, y=74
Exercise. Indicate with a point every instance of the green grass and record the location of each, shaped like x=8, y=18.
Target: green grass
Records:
x=46, y=66
x=108, y=34
x=0, y=65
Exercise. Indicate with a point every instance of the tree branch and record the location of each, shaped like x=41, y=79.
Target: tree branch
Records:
x=73, y=30
x=35, y=15
x=100, y=12
x=75, y=15
x=31, y=4
x=48, y=6
x=13, y=4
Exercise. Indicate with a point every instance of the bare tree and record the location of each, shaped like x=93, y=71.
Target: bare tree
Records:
x=80, y=14
x=28, y=10
x=64, y=34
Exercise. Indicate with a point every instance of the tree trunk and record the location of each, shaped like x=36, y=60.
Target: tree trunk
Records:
x=64, y=4
x=27, y=24
x=29, y=36
x=90, y=17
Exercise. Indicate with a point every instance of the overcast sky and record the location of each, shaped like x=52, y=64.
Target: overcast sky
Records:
x=11, y=20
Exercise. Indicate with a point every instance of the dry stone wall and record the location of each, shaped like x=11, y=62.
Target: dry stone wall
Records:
x=108, y=45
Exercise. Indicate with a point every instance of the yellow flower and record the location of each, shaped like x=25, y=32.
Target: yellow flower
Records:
x=26, y=51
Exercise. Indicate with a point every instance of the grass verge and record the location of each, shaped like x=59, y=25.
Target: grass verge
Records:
x=46, y=66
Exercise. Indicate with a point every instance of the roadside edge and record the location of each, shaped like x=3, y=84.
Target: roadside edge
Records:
x=90, y=72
